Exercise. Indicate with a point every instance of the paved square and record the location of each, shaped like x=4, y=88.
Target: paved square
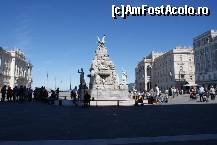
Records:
x=36, y=121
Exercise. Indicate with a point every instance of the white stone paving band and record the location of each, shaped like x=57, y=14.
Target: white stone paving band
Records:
x=117, y=141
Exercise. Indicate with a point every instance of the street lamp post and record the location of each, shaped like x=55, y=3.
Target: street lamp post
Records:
x=55, y=83
x=179, y=78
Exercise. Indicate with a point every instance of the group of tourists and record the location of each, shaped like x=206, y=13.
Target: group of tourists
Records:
x=204, y=93
x=154, y=96
x=21, y=93
x=24, y=94
x=85, y=100
x=174, y=92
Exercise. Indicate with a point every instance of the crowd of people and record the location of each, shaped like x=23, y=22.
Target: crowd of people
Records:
x=85, y=100
x=21, y=93
x=153, y=96
x=24, y=94
x=203, y=92
x=42, y=94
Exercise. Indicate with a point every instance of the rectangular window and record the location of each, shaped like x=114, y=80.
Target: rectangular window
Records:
x=182, y=76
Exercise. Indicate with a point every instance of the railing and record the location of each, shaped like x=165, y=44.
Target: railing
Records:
x=64, y=98
x=118, y=101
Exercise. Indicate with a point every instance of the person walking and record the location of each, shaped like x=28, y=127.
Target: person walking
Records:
x=212, y=93
x=201, y=92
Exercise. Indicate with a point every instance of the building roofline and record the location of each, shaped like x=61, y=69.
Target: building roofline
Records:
x=209, y=32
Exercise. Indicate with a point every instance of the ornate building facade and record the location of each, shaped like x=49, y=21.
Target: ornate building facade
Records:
x=173, y=68
x=14, y=69
x=143, y=72
x=205, y=47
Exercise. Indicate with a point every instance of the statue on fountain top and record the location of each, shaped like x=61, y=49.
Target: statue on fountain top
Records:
x=102, y=41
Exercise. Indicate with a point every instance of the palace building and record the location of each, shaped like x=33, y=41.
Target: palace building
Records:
x=174, y=68
x=205, y=48
x=15, y=70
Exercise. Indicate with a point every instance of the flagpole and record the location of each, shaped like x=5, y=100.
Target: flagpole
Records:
x=47, y=81
x=70, y=85
x=55, y=83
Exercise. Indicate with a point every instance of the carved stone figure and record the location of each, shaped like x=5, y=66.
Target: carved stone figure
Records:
x=82, y=81
x=124, y=78
x=103, y=77
x=82, y=87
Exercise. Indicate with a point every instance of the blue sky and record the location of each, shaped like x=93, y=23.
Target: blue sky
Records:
x=60, y=36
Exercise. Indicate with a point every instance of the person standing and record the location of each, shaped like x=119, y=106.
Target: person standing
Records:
x=15, y=93
x=86, y=99
x=174, y=92
x=157, y=92
x=21, y=94
x=9, y=94
x=170, y=91
x=74, y=94
x=52, y=97
x=29, y=93
x=212, y=93
x=25, y=93
x=193, y=94
x=201, y=92
x=3, y=91
x=57, y=93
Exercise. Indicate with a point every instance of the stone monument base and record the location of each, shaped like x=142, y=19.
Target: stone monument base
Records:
x=110, y=94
